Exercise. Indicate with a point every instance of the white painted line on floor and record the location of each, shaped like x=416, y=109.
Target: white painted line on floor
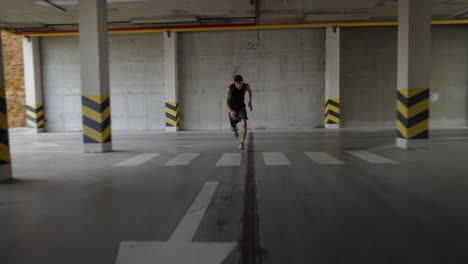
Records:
x=182, y=159
x=275, y=159
x=187, y=227
x=370, y=157
x=323, y=158
x=137, y=160
x=180, y=249
x=229, y=159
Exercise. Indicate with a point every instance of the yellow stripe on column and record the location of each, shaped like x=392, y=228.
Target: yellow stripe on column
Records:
x=98, y=117
x=96, y=112
x=98, y=137
x=332, y=111
x=402, y=129
x=41, y=123
x=171, y=112
x=333, y=108
x=31, y=123
x=3, y=121
x=171, y=122
x=174, y=104
x=35, y=115
x=413, y=113
x=332, y=118
x=413, y=110
x=412, y=92
x=98, y=99
x=4, y=153
x=418, y=129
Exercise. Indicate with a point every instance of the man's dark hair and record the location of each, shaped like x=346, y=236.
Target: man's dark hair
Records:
x=238, y=78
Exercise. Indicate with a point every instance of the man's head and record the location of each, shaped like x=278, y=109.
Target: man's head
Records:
x=238, y=81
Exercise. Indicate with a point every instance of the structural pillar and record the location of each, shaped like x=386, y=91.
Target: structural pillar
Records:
x=332, y=78
x=5, y=160
x=33, y=84
x=94, y=60
x=414, y=44
x=171, y=81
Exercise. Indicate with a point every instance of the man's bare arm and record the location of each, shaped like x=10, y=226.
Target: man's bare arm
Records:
x=228, y=99
x=249, y=90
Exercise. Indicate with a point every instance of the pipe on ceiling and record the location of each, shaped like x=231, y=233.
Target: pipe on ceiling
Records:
x=232, y=27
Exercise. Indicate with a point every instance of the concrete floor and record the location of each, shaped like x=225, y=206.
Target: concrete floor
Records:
x=68, y=207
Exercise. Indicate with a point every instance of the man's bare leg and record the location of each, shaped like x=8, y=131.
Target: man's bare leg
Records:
x=244, y=130
x=236, y=133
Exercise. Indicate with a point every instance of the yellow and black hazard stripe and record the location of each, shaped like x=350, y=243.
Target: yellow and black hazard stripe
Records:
x=332, y=111
x=413, y=113
x=35, y=116
x=4, y=142
x=96, y=119
x=172, y=114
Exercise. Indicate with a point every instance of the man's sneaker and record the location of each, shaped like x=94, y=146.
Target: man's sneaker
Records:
x=241, y=146
x=236, y=134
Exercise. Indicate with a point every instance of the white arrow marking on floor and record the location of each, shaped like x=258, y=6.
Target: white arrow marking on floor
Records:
x=179, y=249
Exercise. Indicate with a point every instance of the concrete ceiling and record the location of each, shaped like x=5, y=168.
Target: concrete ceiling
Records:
x=38, y=15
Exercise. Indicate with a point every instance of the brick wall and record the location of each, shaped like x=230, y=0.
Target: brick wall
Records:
x=14, y=79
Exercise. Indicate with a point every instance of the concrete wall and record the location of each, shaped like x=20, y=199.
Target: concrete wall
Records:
x=369, y=73
x=284, y=67
x=136, y=80
x=449, y=82
x=368, y=77
x=61, y=83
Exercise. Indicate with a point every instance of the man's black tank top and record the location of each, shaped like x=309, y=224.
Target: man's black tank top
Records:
x=237, y=97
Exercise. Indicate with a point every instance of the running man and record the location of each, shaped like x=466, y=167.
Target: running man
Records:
x=236, y=106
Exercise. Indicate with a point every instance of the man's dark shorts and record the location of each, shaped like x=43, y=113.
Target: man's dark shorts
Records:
x=241, y=114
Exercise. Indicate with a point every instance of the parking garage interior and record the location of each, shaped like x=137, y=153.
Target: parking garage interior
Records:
x=117, y=145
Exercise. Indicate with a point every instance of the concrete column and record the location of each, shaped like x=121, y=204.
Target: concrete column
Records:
x=94, y=60
x=33, y=84
x=5, y=165
x=171, y=81
x=414, y=44
x=332, y=78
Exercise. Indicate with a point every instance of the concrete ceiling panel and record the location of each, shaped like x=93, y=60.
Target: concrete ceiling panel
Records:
x=26, y=12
